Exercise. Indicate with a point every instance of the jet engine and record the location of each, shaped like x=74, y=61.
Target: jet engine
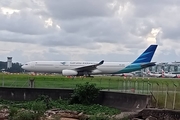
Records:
x=69, y=72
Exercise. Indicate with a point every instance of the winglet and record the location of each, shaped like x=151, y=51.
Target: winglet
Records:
x=100, y=63
x=147, y=55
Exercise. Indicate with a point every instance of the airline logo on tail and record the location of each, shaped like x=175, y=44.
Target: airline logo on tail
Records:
x=143, y=61
x=147, y=55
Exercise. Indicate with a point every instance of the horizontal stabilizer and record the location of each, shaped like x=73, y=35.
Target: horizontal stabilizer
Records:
x=148, y=64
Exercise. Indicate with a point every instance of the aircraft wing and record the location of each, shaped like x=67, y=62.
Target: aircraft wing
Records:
x=89, y=67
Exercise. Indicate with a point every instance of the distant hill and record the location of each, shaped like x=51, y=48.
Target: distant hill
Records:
x=16, y=67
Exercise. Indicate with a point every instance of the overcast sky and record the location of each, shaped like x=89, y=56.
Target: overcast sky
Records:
x=113, y=30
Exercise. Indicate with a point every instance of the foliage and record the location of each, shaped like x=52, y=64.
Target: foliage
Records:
x=12, y=112
x=19, y=114
x=46, y=100
x=3, y=107
x=24, y=115
x=93, y=109
x=3, y=65
x=84, y=94
x=6, y=102
x=99, y=117
x=38, y=106
x=16, y=67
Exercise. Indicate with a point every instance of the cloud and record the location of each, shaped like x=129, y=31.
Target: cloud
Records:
x=88, y=30
x=79, y=9
x=23, y=22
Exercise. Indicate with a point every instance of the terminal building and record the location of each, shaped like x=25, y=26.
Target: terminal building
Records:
x=173, y=67
x=167, y=67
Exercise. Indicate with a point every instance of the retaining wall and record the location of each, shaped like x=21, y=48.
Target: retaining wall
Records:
x=122, y=101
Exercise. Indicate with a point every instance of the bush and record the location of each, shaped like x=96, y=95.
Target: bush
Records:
x=12, y=112
x=84, y=94
x=45, y=99
x=24, y=115
x=39, y=108
x=97, y=117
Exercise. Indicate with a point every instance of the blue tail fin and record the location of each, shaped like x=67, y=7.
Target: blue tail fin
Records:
x=147, y=55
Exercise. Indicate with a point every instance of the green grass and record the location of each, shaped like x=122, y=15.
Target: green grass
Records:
x=163, y=102
x=104, y=82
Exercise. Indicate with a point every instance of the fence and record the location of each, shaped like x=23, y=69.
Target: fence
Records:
x=165, y=92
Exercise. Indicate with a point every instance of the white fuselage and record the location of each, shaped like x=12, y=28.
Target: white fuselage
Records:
x=73, y=68
x=169, y=75
x=154, y=74
x=59, y=66
x=124, y=74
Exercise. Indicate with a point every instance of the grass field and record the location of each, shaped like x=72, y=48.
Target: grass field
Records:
x=105, y=82
x=159, y=87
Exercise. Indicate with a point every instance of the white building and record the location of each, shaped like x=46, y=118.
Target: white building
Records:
x=9, y=62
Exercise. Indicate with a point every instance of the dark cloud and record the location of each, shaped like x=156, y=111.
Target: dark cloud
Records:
x=7, y=36
x=68, y=9
x=153, y=8
x=65, y=39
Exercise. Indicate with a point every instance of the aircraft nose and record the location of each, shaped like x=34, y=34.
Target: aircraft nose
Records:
x=22, y=66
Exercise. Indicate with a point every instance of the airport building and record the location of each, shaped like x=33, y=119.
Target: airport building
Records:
x=167, y=67
x=173, y=67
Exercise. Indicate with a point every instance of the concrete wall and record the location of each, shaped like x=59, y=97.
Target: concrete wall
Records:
x=123, y=101
x=19, y=94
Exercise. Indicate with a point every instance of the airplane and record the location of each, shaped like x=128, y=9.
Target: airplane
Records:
x=169, y=75
x=124, y=74
x=153, y=74
x=177, y=74
x=88, y=68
